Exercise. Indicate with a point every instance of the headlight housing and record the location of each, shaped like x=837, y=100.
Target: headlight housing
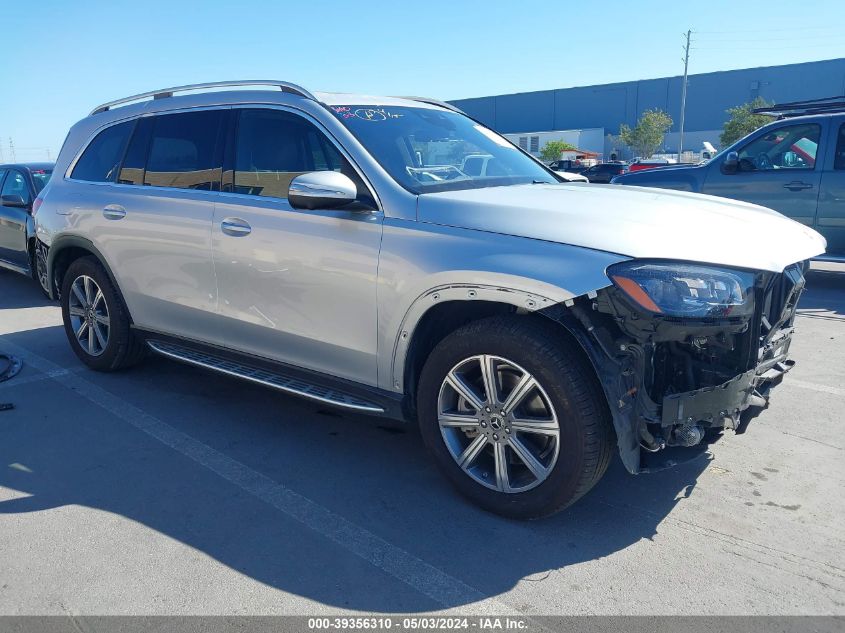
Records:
x=685, y=290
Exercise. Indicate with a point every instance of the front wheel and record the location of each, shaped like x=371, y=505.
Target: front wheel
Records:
x=38, y=266
x=514, y=417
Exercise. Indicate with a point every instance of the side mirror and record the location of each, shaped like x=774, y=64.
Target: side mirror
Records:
x=731, y=163
x=321, y=190
x=14, y=200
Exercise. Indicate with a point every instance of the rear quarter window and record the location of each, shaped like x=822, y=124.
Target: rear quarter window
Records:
x=101, y=159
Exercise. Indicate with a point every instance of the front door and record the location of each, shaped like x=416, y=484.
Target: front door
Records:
x=296, y=286
x=777, y=169
x=13, y=221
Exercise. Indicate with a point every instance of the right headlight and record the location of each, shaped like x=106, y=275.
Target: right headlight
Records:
x=685, y=290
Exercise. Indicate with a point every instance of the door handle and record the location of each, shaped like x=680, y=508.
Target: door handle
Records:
x=114, y=212
x=235, y=227
x=797, y=185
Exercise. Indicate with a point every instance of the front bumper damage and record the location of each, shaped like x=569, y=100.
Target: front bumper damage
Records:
x=676, y=382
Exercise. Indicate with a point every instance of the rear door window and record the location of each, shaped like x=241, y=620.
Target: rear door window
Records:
x=185, y=151
x=839, y=159
x=101, y=159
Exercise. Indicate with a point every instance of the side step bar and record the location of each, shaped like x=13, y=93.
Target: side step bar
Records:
x=264, y=377
x=829, y=258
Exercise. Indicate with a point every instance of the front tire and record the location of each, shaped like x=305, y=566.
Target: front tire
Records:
x=514, y=416
x=96, y=320
x=38, y=266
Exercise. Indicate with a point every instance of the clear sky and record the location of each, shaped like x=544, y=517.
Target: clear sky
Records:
x=62, y=58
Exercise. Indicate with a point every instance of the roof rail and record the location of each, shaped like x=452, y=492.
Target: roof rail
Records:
x=436, y=102
x=827, y=105
x=169, y=92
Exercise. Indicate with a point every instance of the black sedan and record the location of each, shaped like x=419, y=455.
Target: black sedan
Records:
x=20, y=183
x=603, y=172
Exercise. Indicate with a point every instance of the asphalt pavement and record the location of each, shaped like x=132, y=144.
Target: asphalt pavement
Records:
x=166, y=489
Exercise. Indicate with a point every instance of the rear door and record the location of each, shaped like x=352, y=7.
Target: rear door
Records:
x=777, y=169
x=830, y=221
x=150, y=215
x=13, y=220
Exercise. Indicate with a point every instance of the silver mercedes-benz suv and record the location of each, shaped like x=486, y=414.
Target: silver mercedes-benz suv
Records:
x=343, y=248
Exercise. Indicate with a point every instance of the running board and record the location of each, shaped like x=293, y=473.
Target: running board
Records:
x=829, y=258
x=264, y=377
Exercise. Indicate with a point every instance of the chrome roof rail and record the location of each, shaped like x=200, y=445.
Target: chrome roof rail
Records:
x=436, y=102
x=169, y=92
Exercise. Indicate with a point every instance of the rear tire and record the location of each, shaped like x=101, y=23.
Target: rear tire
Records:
x=96, y=320
x=539, y=476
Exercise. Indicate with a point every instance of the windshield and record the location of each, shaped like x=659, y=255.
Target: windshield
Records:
x=427, y=150
x=40, y=178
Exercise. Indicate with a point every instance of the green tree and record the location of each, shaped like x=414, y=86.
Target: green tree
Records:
x=743, y=121
x=647, y=136
x=551, y=150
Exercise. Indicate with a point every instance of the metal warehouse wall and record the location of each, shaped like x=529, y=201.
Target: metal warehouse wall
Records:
x=607, y=106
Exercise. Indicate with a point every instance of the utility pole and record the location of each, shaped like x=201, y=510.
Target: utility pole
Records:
x=12, y=150
x=684, y=96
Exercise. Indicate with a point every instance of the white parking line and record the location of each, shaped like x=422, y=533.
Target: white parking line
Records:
x=425, y=578
x=836, y=391
x=23, y=380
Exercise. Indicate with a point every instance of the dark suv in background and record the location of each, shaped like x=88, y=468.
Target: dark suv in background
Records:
x=794, y=165
x=20, y=183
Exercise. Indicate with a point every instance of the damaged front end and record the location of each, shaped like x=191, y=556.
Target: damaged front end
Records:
x=683, y=350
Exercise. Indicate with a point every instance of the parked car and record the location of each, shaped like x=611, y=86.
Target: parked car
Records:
x=603, y=172
x=795, y=166
x=568, y=165
x=648, y=163
x=20, y=183
x=315, y=244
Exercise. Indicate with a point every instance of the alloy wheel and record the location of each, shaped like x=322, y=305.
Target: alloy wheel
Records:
x=41, y=268
x=498, y=423
x=89, y=315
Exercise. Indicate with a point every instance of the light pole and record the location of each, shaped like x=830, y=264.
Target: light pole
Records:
x=684, y=96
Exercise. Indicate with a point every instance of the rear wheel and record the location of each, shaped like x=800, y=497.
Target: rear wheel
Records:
x=513, y=414
x=95, y=319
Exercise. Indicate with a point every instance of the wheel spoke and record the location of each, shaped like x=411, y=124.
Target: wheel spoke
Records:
x=101, y=338
x=540, y=427
x=527, y=458
x=91, y=338
x=77, y=291
x=464, y=390
x=458, y=421
x=89, y=298
x=488, y=375
x=471, y=452
x=525, y=385
x=501, y=463
x=97, y=298
x=82, y=327
x=102, y=319
x=76, y=311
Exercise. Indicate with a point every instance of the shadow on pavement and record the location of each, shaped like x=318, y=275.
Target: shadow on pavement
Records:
x=64, y=450
x=20, y=291
x=825, y=291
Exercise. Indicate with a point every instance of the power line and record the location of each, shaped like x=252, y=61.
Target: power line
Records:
x=785, y=30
